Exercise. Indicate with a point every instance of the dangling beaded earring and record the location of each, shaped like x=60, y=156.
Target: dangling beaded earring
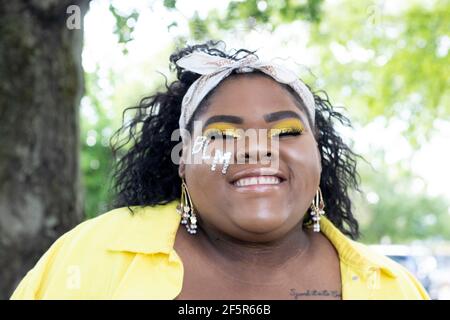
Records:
x=186, y=210
x=317, y=210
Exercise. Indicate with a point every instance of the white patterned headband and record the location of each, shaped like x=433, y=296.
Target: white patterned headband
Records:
x=214, y=69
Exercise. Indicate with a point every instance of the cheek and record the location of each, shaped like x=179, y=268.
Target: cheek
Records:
x=303, y=161
x=205, y=186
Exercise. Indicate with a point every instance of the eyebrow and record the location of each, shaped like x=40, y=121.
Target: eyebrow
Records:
x=275, y=116
x=270, y=117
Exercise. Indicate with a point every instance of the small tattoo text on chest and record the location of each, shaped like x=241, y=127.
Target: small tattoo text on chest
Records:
x=314, y=293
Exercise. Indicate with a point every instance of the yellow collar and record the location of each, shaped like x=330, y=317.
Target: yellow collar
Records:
x=147, y=230
x=153, y=229
x=354, y=254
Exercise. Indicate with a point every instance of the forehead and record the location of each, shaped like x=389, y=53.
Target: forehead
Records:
x=250, y=96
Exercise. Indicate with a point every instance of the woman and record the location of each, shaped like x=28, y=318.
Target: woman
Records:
x=264, y=218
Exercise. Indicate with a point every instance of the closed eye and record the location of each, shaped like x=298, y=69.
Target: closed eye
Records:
x=285, y=132
x=213, y=134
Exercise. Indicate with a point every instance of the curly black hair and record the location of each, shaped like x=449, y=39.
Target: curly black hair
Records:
x=145, y=175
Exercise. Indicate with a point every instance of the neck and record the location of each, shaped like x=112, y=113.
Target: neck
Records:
x=252, y=262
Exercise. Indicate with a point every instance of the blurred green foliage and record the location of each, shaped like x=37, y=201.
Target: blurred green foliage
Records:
x=395, y=207
x=247, y=14
x=401, y=71
x=96, y=156
x=124, y=26
x=404, y=66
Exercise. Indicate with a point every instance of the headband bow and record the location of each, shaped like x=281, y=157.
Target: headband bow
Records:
x=214, y=69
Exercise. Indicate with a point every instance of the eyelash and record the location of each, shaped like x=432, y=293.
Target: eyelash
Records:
x=229, y=134
x=224, y=134
x=285, y=132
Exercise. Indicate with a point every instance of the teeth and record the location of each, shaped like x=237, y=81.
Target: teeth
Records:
x=249, y=181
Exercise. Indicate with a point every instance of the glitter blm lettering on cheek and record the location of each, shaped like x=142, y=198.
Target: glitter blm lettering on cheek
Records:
x=201, y=143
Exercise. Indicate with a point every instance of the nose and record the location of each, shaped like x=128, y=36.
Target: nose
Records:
x=257, y=149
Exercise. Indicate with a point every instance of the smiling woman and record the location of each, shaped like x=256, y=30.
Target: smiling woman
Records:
x=274, y=222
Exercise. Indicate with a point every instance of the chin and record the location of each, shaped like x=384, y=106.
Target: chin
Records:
x=260, y=224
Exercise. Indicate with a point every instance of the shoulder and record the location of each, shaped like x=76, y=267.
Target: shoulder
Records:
x=89, y=258
x=395, y=281
x=123, y=217
x=123, y=225
x=368, y=274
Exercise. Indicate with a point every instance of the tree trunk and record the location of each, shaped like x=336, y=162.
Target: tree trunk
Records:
x=41, y=84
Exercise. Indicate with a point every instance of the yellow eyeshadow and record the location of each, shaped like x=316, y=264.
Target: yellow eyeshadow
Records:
x=288, y=126
x=224, y=129
x=221, y=126
x=221, y=129
x=289, y=123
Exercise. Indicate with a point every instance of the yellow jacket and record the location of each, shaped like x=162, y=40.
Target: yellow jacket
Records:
x=120, y=256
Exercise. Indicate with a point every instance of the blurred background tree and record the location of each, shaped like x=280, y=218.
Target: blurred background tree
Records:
x=41, y=84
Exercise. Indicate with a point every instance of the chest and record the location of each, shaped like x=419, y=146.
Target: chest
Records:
x=204, y=280
x=316, y=275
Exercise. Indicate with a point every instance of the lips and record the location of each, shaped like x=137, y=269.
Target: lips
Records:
x=250, y=181
x=257, y=176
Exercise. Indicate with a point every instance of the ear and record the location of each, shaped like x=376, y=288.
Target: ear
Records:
x=181, y=168
x=182, y=165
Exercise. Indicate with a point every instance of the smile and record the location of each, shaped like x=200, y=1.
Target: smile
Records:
x=257, y=180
